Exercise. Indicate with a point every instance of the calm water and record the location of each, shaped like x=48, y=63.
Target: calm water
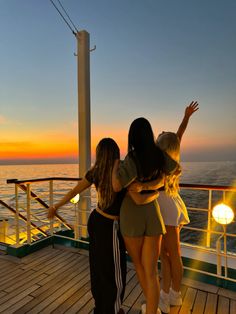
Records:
x=213, y=173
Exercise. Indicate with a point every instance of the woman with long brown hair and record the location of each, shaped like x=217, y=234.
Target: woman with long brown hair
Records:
x=107, y=254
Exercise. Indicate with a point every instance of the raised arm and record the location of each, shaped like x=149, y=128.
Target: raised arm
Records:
x=80, y=187
x=188, y=112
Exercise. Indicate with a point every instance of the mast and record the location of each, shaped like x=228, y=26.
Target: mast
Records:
x=84, y=124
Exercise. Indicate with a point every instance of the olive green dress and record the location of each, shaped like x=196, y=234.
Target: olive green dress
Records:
x=140, y=220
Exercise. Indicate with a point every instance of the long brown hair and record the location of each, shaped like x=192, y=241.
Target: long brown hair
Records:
x=107, y=151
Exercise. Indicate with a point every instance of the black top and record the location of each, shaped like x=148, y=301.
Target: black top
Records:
x=114, y=207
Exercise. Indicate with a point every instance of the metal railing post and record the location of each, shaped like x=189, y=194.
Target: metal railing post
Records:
x=208, y=238
x=51, y=200
x=225, y=251
x=17, y=216
x=76, y=231
x=28, y=213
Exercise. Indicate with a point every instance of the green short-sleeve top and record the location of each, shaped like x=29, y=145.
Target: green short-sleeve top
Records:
x=128, y=172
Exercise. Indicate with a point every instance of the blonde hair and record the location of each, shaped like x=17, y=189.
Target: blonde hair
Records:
x=170, y=143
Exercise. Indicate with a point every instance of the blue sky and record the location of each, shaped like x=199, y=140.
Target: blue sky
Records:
x=152, y=58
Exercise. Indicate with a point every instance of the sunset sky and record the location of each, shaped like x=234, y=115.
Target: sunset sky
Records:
x=152, y=58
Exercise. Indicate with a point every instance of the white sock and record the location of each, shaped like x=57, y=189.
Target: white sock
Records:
x=175, y=293
x=164, y=294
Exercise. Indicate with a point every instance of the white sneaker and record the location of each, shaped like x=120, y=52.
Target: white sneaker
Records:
x=143, y=309
x=164, y=303
x=175, y=297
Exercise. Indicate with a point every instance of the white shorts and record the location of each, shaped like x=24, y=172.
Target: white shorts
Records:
x=173, y=209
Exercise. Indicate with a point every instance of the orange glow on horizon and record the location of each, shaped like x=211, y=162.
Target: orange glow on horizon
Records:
x=64, y=144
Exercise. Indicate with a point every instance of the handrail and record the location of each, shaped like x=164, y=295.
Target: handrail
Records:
x=16, y=181
x=182, y=185
x=207, y=187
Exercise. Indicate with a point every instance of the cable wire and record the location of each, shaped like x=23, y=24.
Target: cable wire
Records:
x=74, y=33
x=67, y=15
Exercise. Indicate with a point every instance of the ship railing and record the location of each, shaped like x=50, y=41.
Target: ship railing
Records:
x=30, y=224
x=210, y=248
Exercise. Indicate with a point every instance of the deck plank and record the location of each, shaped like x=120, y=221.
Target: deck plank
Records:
x=200, y=302
x=69, y=302
x=188, y=301
x=211, y=304
x=232, y=306
x=223, y=305
x=11, y=298
x=227, y=293
x=57, y=281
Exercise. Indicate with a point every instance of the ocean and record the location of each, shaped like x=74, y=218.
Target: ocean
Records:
x=209, y=173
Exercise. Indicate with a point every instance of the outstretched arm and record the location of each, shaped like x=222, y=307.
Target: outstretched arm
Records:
x=188, y=112
x=80, y=187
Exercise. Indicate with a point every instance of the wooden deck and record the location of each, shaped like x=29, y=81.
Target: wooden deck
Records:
x=56, y=280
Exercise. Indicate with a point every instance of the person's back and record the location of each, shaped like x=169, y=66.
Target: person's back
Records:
x=106, y=247
x=142, y=225
x=107, y=253
x=174, y=213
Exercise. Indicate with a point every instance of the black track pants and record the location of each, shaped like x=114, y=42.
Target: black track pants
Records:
x=107, y=263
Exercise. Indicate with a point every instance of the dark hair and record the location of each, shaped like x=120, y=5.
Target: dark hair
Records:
x=141, y=144
x=107, y=151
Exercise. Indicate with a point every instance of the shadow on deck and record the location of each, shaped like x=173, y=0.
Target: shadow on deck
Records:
x=56, y=280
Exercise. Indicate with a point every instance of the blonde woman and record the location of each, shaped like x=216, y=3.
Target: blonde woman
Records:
x=174, y=214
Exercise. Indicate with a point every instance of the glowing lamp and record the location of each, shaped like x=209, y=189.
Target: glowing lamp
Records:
x=75, y=199
x=223, y=214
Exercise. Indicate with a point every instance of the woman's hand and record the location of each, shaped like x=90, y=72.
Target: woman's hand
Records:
x=51, y=212
x=135, y=187
x=191, y=109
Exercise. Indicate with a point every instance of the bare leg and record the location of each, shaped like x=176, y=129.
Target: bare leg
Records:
x=150, y=254
x=134, y=247
x=171, y=244
x=165, y=269
x=144, y=252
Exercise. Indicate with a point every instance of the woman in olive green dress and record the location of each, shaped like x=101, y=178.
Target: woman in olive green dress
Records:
x=142, y=225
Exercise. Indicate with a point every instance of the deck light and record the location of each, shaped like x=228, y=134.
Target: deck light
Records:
x=75, y=199
x=223, y=214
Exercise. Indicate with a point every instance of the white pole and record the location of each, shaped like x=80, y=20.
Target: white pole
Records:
x=83, y=57
x=208, y=239
x=28, y=214
x=17, y=217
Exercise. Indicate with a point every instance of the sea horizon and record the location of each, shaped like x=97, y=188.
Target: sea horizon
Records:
x=30, y=163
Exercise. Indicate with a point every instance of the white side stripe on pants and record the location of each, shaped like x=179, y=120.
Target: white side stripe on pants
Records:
x=116, y=255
